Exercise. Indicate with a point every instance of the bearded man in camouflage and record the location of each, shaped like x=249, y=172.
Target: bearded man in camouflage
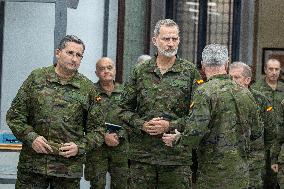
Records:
x=154, y=101
x=223, y=120
x=49, y=115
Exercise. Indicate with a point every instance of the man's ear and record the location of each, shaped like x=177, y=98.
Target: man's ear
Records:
x=265, y=71
x=248, y=80
x=57, y=52
x=114, y=71
x=202, y=67
x=227, y=66
x=154, y=40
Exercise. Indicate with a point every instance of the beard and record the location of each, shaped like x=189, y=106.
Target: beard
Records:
x=168, y=53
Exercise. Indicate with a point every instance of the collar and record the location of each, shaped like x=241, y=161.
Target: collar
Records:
x=177, y=66
x=117, y=88
x=53, y=77
x=220, y=76
x=279, y=87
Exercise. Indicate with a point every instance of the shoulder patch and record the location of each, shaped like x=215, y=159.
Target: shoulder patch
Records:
x=269, y=108
x=98, y=98
x=200, y=81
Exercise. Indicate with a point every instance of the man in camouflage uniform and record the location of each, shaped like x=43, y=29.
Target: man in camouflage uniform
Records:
x=242, y=74
x=48, y=115
x=112, y=156
x=154, y=101
x=277, y=153
x=273, y=89
x=222, y=120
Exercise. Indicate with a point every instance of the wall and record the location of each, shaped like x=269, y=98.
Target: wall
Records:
x=133, y=34
x=247, y=32
x=87, y=23
x=28, y=44
x=270, y=28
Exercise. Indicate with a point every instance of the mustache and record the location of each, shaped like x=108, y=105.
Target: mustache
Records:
x=168, y=52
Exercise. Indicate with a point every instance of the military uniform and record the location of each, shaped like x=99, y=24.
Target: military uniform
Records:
x=258, y=147
x=277, y=155
x=106, y=158
x=223, y=121
x=147, y=95
x=275, y=97
x=45, y=107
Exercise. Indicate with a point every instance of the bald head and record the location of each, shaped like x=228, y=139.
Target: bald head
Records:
x=104, y=60
x=105, y=69
x=272, y=70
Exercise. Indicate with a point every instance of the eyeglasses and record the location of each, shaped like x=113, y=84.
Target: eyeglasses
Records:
x=73, y=53
x=109, y=68
x=168, y=39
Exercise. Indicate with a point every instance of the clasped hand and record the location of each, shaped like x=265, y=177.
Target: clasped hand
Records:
x=168, y=139
x=40, y=145
x=156, y=126
x=111, y=139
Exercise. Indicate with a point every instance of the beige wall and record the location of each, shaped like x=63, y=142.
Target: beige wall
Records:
x=270, y=29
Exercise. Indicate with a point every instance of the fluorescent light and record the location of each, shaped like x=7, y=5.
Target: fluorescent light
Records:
x=192, y=3
x=210, y=4
x=193, y=10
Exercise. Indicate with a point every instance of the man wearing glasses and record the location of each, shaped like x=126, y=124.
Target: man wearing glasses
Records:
x=49, y=115
x=112, y=155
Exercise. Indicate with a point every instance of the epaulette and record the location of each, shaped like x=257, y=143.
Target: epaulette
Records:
x=98, y=98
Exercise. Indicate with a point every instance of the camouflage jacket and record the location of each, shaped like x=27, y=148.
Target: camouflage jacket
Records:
x=109, y=104
x=266, y=114
x=150, y=94
x=222, y=122
x=275, y=97
x=45, y=107
x=277, y=154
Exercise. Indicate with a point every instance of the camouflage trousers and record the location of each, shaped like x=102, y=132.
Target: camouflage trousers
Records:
x=147, y=176
x=223, y=174
x=270, y=178
x=107, y=159
x=280, y=176
x=256, y=171
x=30, y=180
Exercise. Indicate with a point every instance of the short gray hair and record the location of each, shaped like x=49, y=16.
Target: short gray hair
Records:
x=165, y=22
x=246, y=69
x=70, y=38
x=215, y=55
x=143, y=58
